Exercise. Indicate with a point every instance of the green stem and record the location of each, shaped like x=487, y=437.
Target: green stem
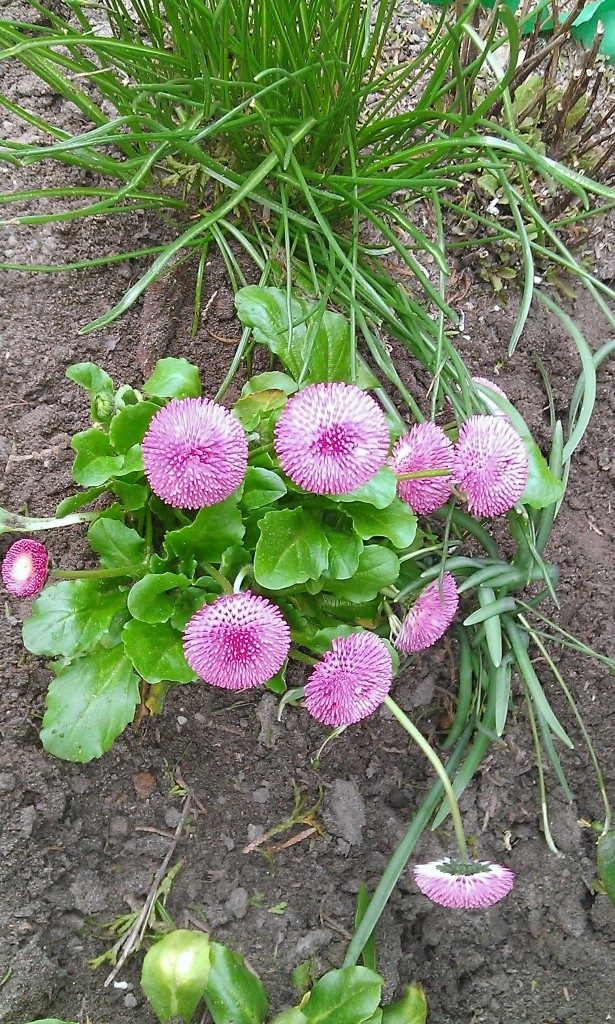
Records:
x=11, y=522
x=260, y=451
x=438, y=767
x=401, y=856
x=98, y=574
x=419, y=474
x=300, y=656
x=218, y=577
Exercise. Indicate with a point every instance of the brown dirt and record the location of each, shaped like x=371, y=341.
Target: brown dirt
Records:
x=73, y=850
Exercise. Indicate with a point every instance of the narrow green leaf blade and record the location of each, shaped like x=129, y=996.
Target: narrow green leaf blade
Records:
x=606, y=864
x=89, y=703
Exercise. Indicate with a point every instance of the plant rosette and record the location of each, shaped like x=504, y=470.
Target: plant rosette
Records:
x=234, y=540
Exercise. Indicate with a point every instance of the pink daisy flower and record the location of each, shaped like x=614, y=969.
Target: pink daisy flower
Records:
x=490, y=465
x=425, y=446
x=331, y=438
x=492, y=407
x=239, y=641
x=351, y=681
x=24, y=569
x=195, y=453
x=430, y=616
x=463, y=885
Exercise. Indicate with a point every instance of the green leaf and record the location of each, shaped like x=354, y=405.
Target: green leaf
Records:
x=410, y=1009
x=91, y=377
x=132, y=496
x=156, y=652
x=294, y=1016
x=89, y=703
x=133, y=462
x=348, y=996
x=175, y=973
x=128, y=426
x=397, y=522
x=72, y=616
x=319, y=341
x=368, y=953
x=542, y=488
x=379, y=491
x=118, y=546
x=214, y=530
x=378, y=567
x=77, y=501
x=187, y=603
x=173, y=378
x=586, y=26
x=96, y=460
x=271, y=381
x=261, y=487
x=149, y=599
x=321, y=641
x=292, y=548
x=248, y=410
x=233, y=994
x=606, y=864
x=344, y=552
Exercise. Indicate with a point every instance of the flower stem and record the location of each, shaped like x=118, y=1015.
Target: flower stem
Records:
x=438, y=767
x=300, y=656
x=98, y=574
x=261, y=451
x=11, y=522
x=218, y=577
x=419, y=474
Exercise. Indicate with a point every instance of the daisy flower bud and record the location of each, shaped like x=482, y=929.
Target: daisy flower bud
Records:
x=24, y=569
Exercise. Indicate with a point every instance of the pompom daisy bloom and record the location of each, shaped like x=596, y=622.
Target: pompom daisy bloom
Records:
x=24, y=569
x=492, y=407
x=239, y=641
x=466, y=885
x=425, y=446
x=331, y=438
x=490, y=465
x=195, y=453
x=430, y=616
x=351, y=681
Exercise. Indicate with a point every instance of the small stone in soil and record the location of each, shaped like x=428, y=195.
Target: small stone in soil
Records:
x=171, y=817
x=238, y=903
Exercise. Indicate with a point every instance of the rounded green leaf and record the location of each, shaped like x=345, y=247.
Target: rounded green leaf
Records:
x=378, y=567
x=72, y=616
x=292, y=548
x=118, y=546
x=294, y=1016
x=397, y=522
x=271, y=381
x=149, y=599
x=173, y=378
x=348, y=996
x=132, y=496
x=128, y=426
x=77, y=501
x=213, y=531
x=410, y=1009
x=606, y=864
x=344, y=553
x=175, y=973
x=96, y=460
x=379, y=491
x=89, y=703
x=91, y=377
x=156, y=652
x=261, y=487
x=233, y=994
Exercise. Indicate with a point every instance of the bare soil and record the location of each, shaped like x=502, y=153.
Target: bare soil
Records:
x=80, y=844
